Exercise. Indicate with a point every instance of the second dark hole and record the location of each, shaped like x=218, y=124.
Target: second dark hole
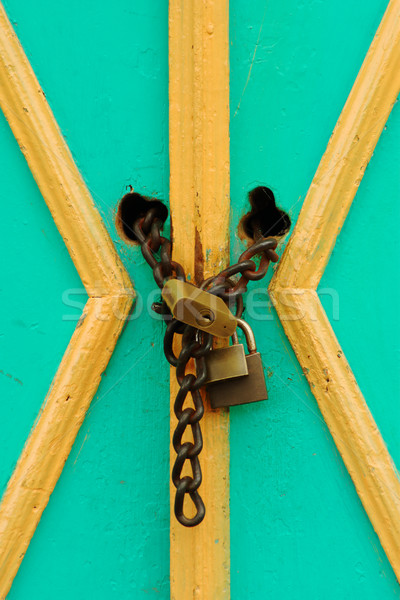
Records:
x=265, y=218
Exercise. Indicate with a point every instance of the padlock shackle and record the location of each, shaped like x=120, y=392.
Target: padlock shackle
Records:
x=249, y=334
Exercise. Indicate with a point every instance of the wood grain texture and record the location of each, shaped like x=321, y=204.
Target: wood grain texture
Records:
x=293, y=288
x=110, y=298
x=199, y=200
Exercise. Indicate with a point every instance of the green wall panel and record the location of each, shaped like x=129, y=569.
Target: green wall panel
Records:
x=36, y=270
x=364, y=274
x=105, y=532
x=298, y=529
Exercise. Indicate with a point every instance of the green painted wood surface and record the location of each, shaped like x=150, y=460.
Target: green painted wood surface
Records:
x=105, y=532
x=298, y=529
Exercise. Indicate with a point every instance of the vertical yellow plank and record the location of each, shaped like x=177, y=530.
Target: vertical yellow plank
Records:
x=199, y=196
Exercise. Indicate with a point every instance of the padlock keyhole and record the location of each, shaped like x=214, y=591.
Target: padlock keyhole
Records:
x=205, y=318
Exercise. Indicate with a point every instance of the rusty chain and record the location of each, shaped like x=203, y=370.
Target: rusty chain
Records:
x=157, y=251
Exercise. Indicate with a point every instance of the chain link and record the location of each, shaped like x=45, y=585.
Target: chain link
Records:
x=157, y=251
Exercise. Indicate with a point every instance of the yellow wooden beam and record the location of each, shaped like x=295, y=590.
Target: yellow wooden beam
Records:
x=199, y=195
x=293, y=288
x=110, y=298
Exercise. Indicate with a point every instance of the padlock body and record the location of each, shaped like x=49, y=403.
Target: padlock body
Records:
x=242, y=390
x=226, y=363
x=198, y=308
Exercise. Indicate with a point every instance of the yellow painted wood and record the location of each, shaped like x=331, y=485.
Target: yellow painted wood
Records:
x=110, y=298
x=199, y=196
x=306, y=255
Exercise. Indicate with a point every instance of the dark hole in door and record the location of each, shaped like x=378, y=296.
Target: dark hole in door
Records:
x=265, y=218
x=133, y=206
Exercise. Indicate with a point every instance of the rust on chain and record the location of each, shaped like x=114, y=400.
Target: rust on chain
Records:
x=157, y=251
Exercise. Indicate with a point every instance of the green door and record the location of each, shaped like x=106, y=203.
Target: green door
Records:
x=298, y=528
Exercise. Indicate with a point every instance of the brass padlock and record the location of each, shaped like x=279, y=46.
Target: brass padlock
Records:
x=226, y=363
x=198, y=308
x=241, y=390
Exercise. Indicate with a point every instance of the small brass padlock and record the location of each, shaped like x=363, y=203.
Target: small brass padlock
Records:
x=198, y=308
x=241, y=390
x=226, y=363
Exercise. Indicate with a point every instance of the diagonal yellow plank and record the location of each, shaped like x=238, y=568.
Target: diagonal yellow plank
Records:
x=293, y=288
x=110, y=299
